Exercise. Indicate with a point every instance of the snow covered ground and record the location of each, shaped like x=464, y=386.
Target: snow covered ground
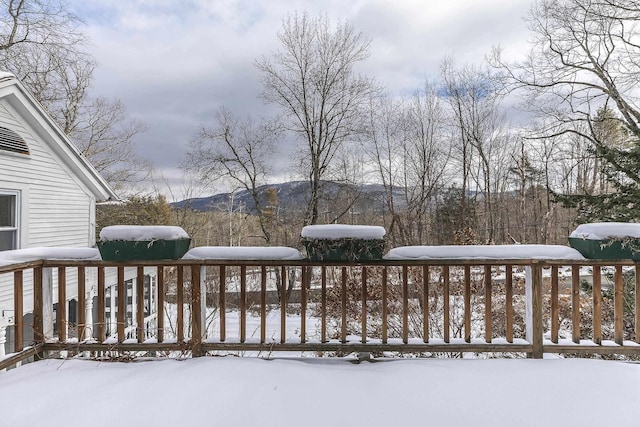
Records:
x=232, y=391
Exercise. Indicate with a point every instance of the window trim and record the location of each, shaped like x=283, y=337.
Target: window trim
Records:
x=17, y=212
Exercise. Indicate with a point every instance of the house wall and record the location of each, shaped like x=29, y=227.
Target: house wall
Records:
x=55, y=209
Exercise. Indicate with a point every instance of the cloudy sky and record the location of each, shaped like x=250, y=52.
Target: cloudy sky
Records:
x=175, y=63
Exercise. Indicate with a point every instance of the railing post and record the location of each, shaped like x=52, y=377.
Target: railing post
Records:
x=533, y=294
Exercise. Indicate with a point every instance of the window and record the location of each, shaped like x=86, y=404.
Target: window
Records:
x=8, y=221
x=11, y=141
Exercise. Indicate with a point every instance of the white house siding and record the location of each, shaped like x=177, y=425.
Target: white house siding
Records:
x=55, y=209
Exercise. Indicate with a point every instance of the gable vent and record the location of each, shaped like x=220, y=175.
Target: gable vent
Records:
x=11, y=141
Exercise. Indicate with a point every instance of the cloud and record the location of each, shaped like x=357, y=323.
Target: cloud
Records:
x=174, y=63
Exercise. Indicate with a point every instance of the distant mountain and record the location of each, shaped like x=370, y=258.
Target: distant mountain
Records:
x=291, y=196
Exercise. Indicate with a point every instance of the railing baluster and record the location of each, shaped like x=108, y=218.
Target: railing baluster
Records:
x=303, y=305
x=61, y=315
x=122, y=304
x=223, y=303
x=197, y=331
x=425, y=303
x=596, y=293
x=446, y=304
x=18, y=309
x=508, y=284
x=343, y=296
x=102, y=335
x=536, y=307
x=243, y=303
x=180, y=304
x=283, y=305
x=405, y=304
x=575, y=303
x=263, y=304
x=140, y=304
x=467, y=303
x=323, y=303
x=82, y=304
x=363, y=312
x=385, y=327
x=160, y=301
x=488, y=318
x=618, y=306
x=555, y=306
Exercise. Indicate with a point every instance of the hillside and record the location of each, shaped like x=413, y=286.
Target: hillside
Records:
x=293, y=196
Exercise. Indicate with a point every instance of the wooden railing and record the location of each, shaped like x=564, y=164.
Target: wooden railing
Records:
x=452, y=307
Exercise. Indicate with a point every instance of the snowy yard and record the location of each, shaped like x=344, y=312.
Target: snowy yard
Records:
x=231, y=391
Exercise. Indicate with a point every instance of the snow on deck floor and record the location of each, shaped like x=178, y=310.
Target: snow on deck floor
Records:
x=231, y=391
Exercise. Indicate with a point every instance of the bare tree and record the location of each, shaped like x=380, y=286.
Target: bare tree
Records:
x=312, y=79
x=104, y=133
x=42, y=45
x=240, y=151
x=584, y=57
x=475, y=107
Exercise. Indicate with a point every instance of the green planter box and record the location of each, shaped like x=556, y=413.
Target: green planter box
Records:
x=344, y=249
x=143, y=250
x=614, y=248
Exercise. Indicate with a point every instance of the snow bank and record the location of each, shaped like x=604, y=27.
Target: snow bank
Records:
x=606, y=230
x=343, y=231
x=484, y=252
x=142, y=232
x=244, y=253
x=55, y=253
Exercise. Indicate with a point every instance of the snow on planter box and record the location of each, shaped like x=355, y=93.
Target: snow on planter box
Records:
x=607, y=240
x=340, y=242
x=142, y=242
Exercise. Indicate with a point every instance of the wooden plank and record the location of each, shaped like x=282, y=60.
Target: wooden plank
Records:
x=596, y=293
x=303, y=304
x=508, y=290
x=618, y=306
x=363, y=312
x=61, y=314
x=122, y=304
x=405, y=304
x=343, y=297
x=140, y=304
x=196, y=312
x=467, y=303
x=180, y=304
x=555, y=305
x=488, y=318
x=18, y=309
x=385, y=326
x=160, y=302
x=323, y=303
x=536, y=306
x=283, y=304
x=21, y=355
x=243, y=303
x=575, y=303
x=222, y=303
x=83, y=328
x=38, y=307
x=101, y=330
x=446, y=304
x=425, y=303
x=263, y=304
